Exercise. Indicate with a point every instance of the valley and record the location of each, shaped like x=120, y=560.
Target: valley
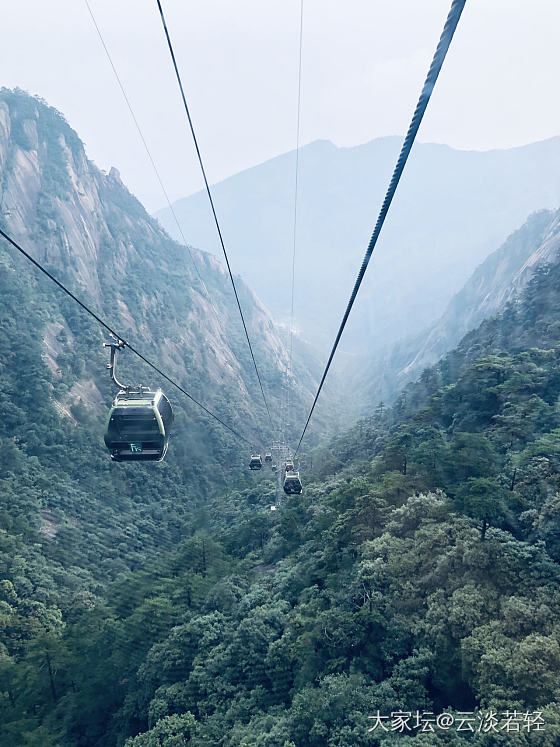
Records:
x=165, y=603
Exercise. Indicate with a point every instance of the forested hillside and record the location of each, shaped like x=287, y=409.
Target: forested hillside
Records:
x=175, y=304
x=86, y=228
x=72, y=521
x=499, y=279
x=417, y=574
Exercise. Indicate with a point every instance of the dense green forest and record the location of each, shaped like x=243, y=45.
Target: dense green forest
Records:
x=416, y=577
x=418, y=572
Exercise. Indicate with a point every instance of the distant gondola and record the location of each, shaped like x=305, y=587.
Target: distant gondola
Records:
x=268, y=457
x=292, y=483
x=138, y=426
x=256, y=461
x=289, y=465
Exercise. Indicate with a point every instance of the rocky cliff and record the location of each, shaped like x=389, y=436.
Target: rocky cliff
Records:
x=496, y=281
x=173, y=303
x=501, y=278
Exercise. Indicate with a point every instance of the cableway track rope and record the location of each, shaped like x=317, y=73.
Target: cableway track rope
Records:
x=210, y=198
x=150, y=158
x=152, y=161
x=433, y=73
x=115, y=334
x=294, y=236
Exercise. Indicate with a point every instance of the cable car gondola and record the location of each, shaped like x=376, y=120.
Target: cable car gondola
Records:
x=256, y=461
x=289, y=465
x=139, y=421
x=138, y=426
x=268, y=458
x=292, y=483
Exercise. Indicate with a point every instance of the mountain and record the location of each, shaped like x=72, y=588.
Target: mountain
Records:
x=175, y=304
x=64, y=504
x=417, y=575
x=451, y=210
x=72, y=521
x=501, y=278
x=414, y=582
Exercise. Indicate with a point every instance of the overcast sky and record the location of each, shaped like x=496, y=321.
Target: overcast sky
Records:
x=364, y=62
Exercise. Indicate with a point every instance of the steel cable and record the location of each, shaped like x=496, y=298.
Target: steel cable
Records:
x=433, y=73
x=115, y=334
x=208, y=191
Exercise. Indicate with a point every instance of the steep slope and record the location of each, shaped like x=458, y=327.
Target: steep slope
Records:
x=451, y=210
x=495, y=282
x=71, y=521
x=416, y=575
x=77, y=508
x=92, y=233
x=501, y=278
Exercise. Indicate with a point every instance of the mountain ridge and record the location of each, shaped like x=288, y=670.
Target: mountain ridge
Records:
x=452, y=209
x=88, y=229
x=501, y=277
x=497, y=281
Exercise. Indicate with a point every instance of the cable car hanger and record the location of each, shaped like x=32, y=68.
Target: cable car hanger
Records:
x=112, y=365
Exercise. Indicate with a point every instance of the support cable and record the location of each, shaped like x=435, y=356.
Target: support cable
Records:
x=115, y=334
x=155, y=168
x=151, y=159
x=433, y=73
x=294, y=243
x=179, y=81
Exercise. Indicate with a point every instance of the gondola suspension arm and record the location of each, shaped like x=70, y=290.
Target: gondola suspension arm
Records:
x=112, y=365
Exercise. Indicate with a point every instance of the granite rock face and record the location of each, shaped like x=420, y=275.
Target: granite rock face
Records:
x=174, y=302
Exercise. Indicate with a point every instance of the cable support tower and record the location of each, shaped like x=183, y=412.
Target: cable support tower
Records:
x=211, y=200
x=449, y=28
x=118, y=337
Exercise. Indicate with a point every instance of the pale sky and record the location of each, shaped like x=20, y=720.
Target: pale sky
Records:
x=364, y=62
